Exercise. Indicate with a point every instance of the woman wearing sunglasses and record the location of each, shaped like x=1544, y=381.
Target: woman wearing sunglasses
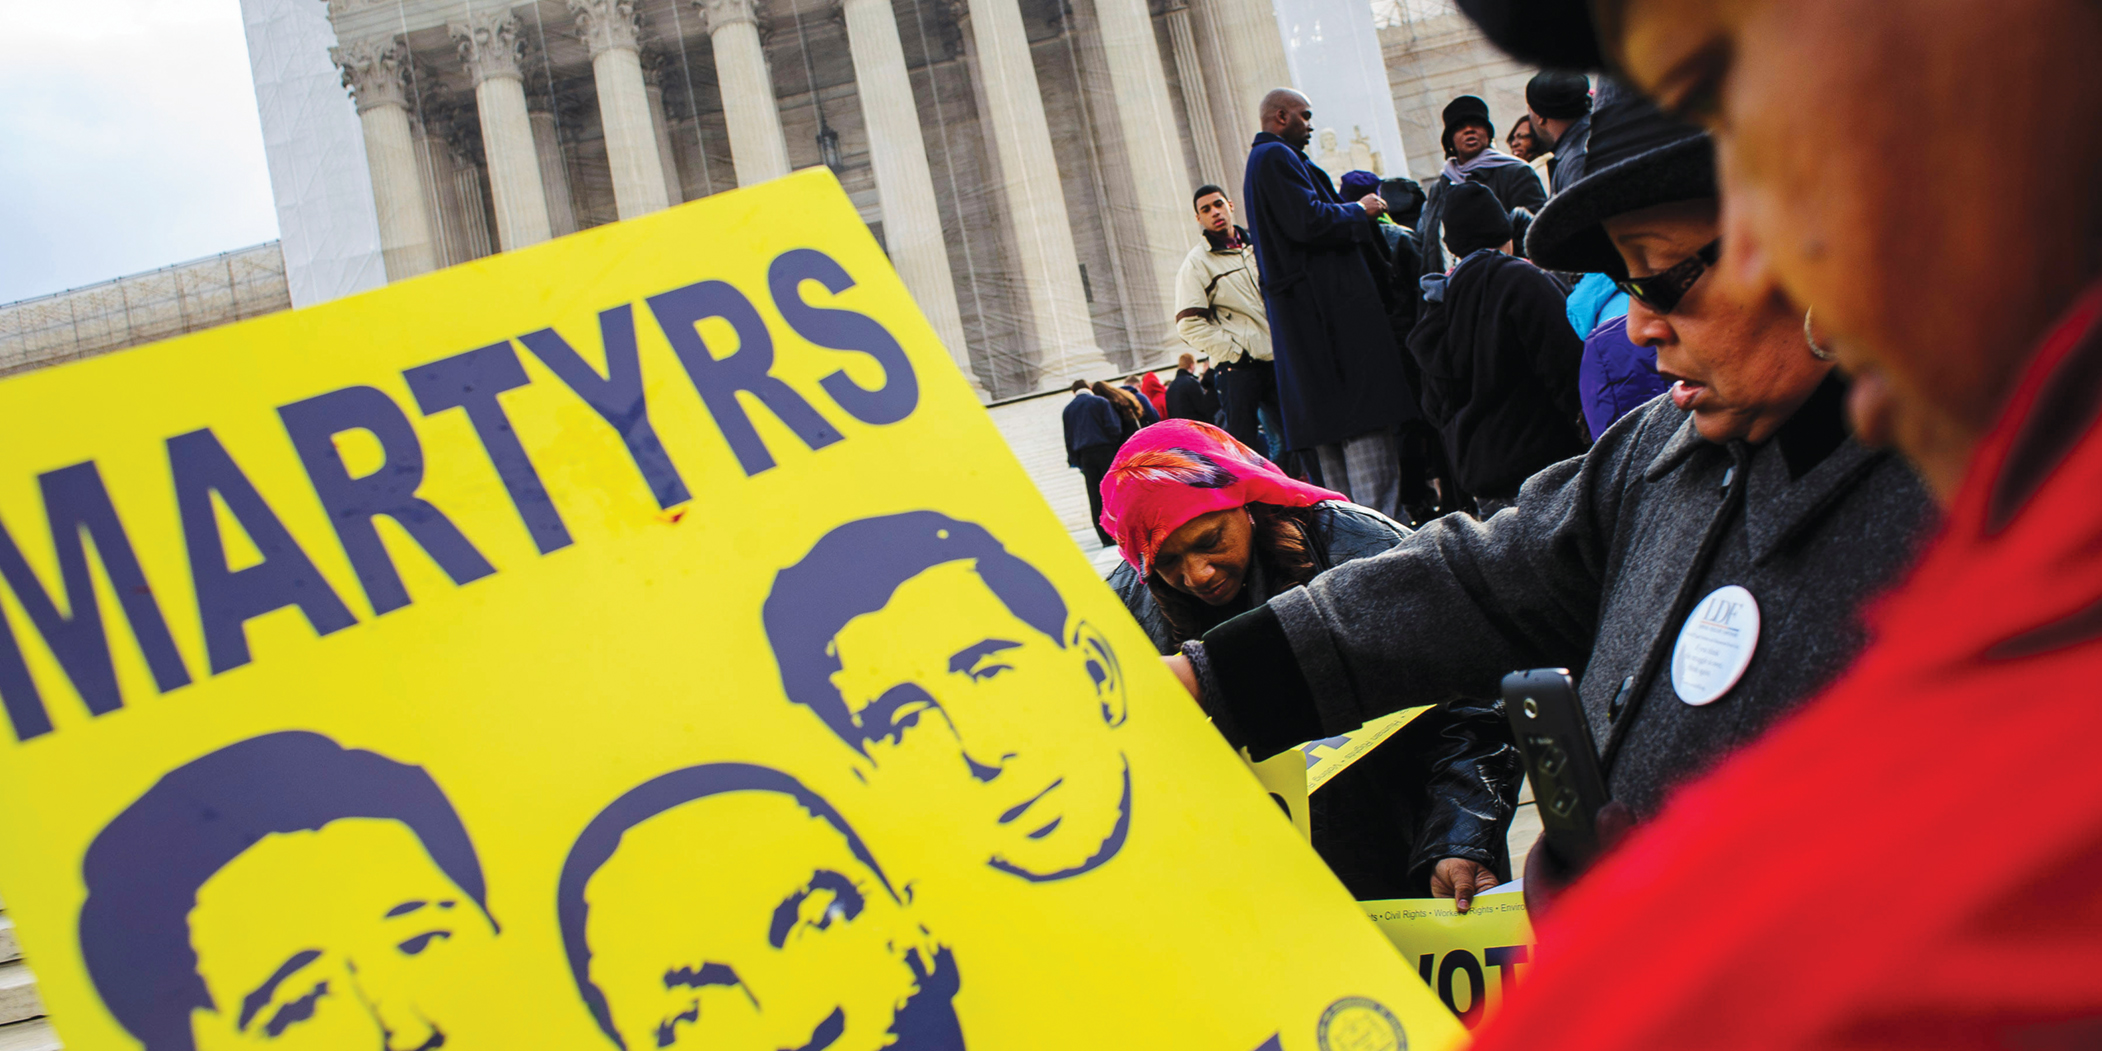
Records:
x=1701, y=567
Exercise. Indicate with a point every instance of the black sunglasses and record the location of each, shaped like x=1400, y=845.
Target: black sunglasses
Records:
x=1663, y=289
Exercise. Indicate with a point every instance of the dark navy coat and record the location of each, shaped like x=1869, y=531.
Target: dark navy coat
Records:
x=1339, y=373
x=1090, y=421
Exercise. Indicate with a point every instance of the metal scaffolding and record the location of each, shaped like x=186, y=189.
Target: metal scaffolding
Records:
x=141, y=308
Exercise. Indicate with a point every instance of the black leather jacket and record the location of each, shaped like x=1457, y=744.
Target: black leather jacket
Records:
x=1443, y=786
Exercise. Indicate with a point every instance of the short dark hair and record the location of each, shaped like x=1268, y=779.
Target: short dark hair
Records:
x=145, y=867
x=855, y=569
x=1207, y=190
x=596, y=844
x=1079, y=385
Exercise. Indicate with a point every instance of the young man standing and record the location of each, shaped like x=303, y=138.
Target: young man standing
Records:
x=1219, y=312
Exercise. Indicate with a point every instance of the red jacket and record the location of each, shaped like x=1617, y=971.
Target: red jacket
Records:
x=1155, y=392
x=1915, y=859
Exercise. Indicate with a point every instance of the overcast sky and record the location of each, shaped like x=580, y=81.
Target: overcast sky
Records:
x=128, y=140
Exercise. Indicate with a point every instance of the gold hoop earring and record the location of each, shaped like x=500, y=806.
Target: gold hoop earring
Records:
x=1817, y=350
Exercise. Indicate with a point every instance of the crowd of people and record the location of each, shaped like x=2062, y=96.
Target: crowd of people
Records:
x=1688, y=336
x=1386, y=340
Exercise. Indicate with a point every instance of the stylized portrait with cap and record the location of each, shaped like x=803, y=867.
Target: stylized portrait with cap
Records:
x=945, y=661
x=289, y=891
x=729, y=906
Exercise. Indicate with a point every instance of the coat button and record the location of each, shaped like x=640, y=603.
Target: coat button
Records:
x=1620, y=700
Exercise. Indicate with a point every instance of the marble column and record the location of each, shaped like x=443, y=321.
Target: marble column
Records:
x=490, y=44
x=609, y=28
x=474, y=213
x=435, y=167
x=554, y=173
x=1221, y=99
x=373, y=71
x=1160, y=179
x=912, y=221
x=1196, y=101
x=1036, y=204
x=1254, y=60
x=757, y=147
x=653, y=76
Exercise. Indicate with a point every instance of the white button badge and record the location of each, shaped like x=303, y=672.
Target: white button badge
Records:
x=1715, y=646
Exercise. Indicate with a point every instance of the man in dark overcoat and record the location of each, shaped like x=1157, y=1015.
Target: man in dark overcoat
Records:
x=1339, y=374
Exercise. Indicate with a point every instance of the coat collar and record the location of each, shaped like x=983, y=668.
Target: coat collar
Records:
x=1683, y=443
x=1776, y=507
x=1218, y=243
x=1271, y=136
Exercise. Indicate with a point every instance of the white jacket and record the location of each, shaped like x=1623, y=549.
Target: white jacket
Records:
x=1219, y=302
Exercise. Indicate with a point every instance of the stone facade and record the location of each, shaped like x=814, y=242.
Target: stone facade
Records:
x=1434, y=55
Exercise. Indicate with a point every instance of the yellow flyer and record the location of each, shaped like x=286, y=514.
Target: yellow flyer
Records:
x=1329, y=756
x=1473, y=960
x=1283, y=777
x=641, y=640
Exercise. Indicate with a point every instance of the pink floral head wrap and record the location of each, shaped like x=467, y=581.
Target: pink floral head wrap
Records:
x=1177, y=470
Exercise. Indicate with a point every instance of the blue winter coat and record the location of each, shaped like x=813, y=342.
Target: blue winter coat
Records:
x=1339, y=374
x=1594, y=301
x=1615, y=375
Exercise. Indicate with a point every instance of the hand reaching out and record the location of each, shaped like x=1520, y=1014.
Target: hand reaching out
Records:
x=1461, y=879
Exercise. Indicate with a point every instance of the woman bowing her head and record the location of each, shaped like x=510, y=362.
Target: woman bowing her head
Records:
x=1209, y=529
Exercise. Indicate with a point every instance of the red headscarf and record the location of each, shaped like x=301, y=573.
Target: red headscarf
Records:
x=1176, y=470
x=1915, y=858
x=1155, y=392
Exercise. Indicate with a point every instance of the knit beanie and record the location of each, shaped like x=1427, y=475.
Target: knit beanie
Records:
x=1473, y=219
x=1359, y=183
x=1558, y=95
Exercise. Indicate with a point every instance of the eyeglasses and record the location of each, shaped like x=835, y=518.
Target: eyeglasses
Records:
x=1663, y=289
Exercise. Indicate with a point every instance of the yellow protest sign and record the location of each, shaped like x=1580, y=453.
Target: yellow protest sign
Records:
x=1328, y=756
x=1283, y=777
x=1472, y=959
x=638, y=640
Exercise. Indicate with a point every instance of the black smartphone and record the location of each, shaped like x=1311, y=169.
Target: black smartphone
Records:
x=1555, y=738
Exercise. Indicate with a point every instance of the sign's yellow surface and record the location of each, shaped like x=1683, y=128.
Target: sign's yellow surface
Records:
x=1473, y=959
x=638, y=640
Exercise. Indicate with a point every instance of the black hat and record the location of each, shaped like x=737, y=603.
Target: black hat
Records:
x=1557, y=34
x=1473, y=219
x=1462, y=111
x=1562, y=96
x=1638, y=158
x=1404, y=199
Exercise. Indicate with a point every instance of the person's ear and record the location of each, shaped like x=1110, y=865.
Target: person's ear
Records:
x=1103, y=668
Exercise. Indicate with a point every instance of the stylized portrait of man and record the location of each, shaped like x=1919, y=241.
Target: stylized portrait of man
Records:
x=286, y=892
x=917, y=630
x=728, y=906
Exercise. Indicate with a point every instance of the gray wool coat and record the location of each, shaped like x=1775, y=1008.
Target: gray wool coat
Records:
x=1595, y=569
